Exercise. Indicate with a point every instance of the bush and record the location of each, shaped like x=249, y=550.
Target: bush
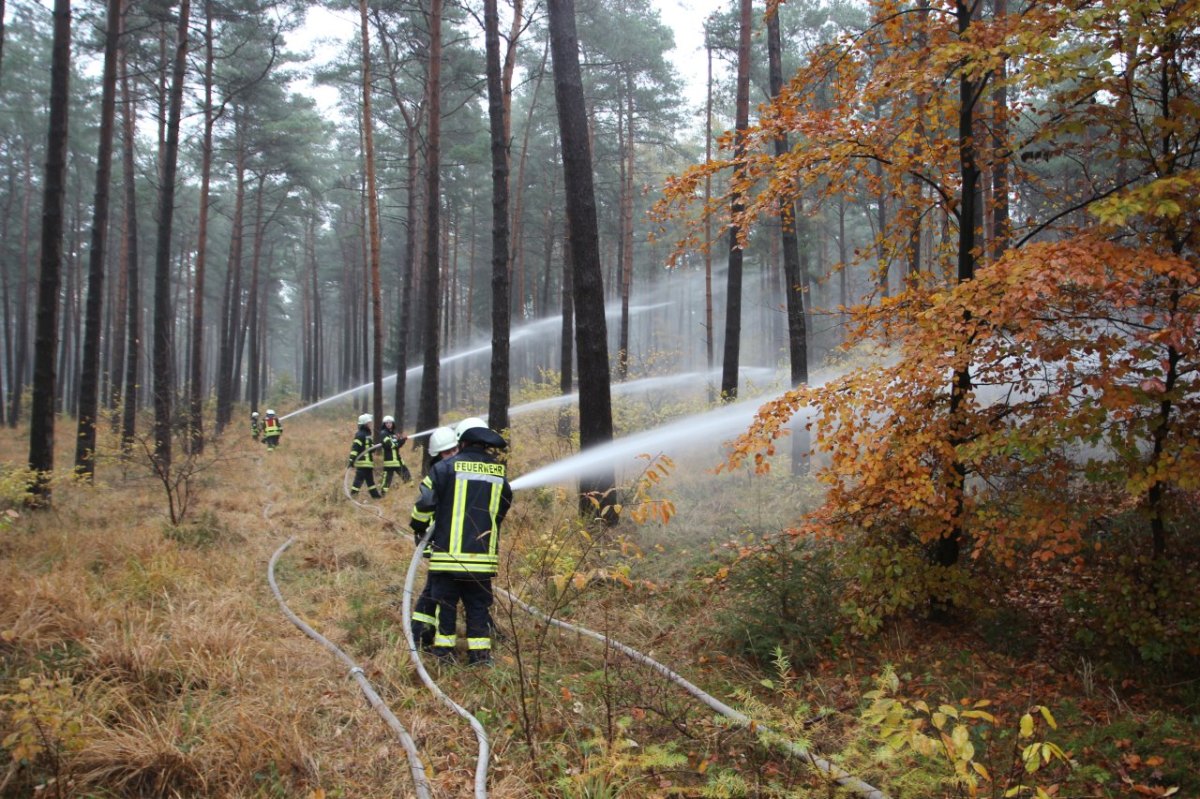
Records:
x=785, y=594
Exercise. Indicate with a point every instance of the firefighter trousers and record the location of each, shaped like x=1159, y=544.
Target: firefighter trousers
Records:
x=475, y=593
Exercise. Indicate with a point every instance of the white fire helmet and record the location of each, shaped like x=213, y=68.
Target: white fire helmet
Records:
x=270, y=412
x=467, y=424
x=365, y=418
x=389, y=420
x=441, y=440
x=253, y=414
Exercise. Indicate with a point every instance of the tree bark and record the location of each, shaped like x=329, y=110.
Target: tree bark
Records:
x=427, y=412
x=372, y=223
x=591, y=333
x=497, y=118
x=89, y=387
x=733, y=294
x=133, y=308
x=163, y=315
x=41, y=422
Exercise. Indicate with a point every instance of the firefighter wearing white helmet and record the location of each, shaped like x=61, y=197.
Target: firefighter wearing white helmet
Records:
x=361, y=460
x=465, y=498
x=442, y=444
x=254, y=425
x=390, y=442
x=272, y=430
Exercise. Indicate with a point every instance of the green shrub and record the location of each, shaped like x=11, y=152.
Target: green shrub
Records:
x=785, y=595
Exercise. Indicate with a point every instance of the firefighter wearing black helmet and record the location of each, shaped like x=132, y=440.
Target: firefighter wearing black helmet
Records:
x=466, y=497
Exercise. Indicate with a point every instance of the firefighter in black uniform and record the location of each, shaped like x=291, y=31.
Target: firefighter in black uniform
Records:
x=466, y=498
x=254, y=424
x=272, y=429
x=393, y=464
x=443, y=443
x=361, y=460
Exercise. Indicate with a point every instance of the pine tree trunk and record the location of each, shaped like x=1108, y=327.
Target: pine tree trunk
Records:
x=427, y=411
x=133, y=303
x=41, y=422
x=372, y=224
x=591, y=332
x=497, y=119
x=89, y=388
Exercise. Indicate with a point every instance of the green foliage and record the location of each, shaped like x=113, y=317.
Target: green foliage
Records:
x=784, y=593
x=1143, y=605
x=888, y=580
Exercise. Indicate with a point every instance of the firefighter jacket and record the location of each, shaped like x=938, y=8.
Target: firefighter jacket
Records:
x=466, y=497
x=272, y=427
x=360, y=450
x=391, y=444
x=254, y=427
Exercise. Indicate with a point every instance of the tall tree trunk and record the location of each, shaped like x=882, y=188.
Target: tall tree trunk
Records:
x=163, y=316
x=427, y=412
x=733, y=294
x=591, y=332
x=946, y=549
x=625, y=256
x=231, y=301
x=41, y=422
x=708, y=236
x=252, y=312
x=89, y=388
x=497, y=119
x=567, y=350
x=1001, y=225
x=196, y=382
x=133, y=307
x=21, y=346
x=372, y=223
x=403, y=339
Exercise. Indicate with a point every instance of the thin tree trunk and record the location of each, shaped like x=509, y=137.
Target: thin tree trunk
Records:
x=733, y=298
x=498, y=396
x=89, y=389
x=133, y=305
x=163, y=383
x=196, y=383
x=372, y=223
x=427, y=412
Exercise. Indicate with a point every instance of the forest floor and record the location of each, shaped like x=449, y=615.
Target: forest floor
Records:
x=144, y=658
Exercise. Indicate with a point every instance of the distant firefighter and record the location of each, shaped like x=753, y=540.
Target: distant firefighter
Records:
x=393, y=464
x=272, y=430
x=361, y=460
x=254, y=424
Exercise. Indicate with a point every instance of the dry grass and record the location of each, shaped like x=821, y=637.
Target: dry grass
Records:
x=187, y=680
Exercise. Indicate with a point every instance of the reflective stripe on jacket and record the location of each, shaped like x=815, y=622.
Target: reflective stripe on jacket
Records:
x=271, y=427
x=467, y=496
x=391, y=450
x=360, y=450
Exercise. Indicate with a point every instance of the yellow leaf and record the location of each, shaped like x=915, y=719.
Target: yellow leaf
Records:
x=1026, y=725
x=1049, y=718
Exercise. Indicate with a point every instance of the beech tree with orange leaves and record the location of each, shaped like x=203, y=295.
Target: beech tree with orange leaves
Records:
x=1039, y=375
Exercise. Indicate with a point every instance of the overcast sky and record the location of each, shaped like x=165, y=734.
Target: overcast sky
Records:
x=325, y=30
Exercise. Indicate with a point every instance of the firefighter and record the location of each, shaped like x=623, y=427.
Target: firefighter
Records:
x=393, y=464
x=361, y=460
x=254, y=424
x=465, y=498
x=272, y=430
x=442, y=444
